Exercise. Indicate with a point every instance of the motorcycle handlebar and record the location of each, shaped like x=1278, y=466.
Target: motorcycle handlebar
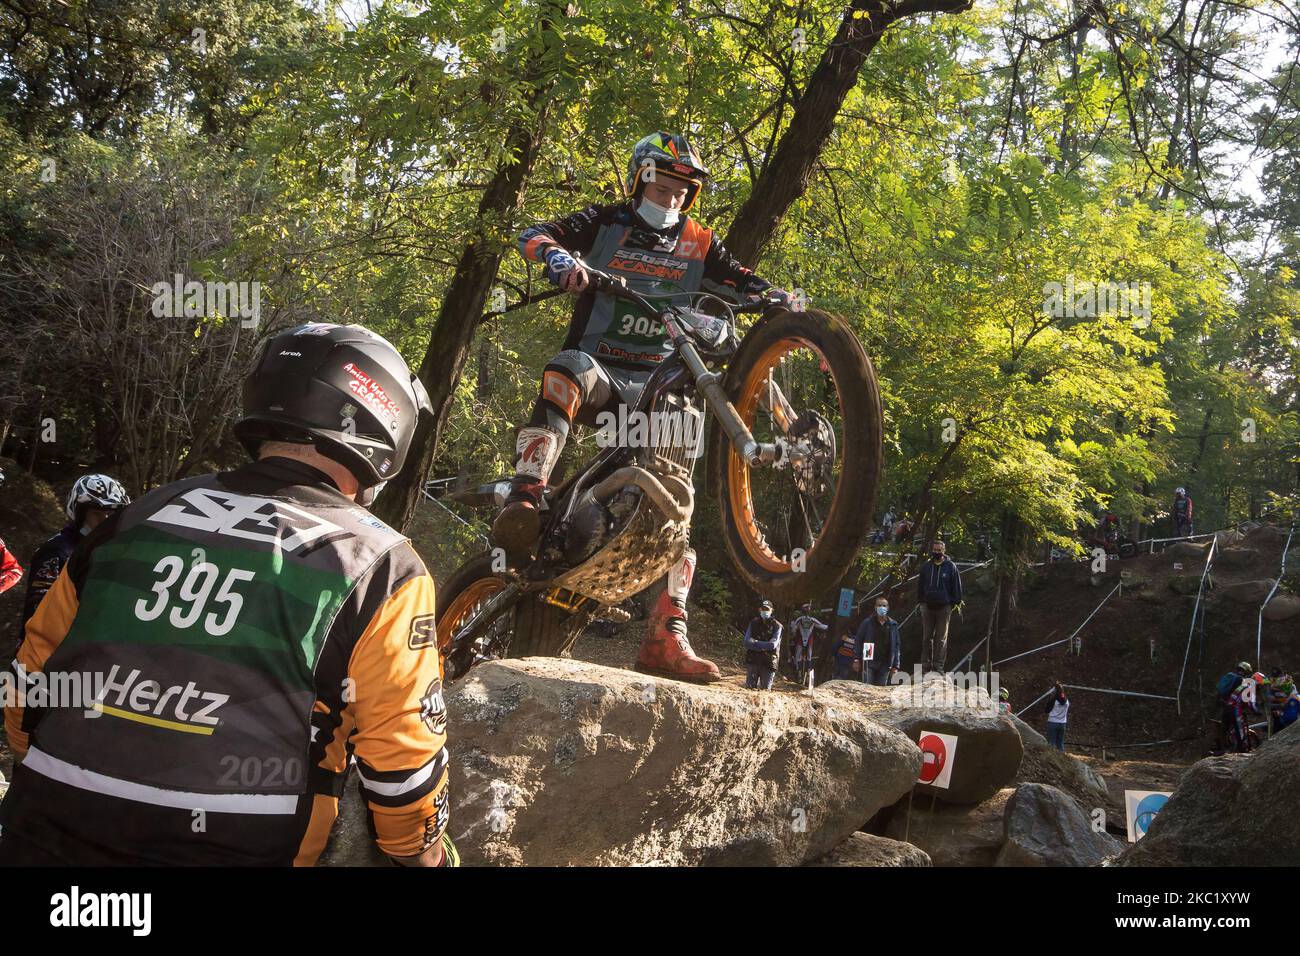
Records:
x=617, y=287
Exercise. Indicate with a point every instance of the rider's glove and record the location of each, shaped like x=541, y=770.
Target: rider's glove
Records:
x=558, y=262
x=786, y=300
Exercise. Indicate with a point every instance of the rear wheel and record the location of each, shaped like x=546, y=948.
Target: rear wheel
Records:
x=794, y=530
x=532, y=628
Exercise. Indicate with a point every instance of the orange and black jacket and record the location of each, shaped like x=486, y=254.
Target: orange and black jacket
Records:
x=207, y=666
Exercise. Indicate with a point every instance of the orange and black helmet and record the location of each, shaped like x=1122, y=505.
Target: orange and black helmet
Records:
x=665, y=154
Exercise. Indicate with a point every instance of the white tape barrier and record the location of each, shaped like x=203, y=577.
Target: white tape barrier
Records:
x=1063, y=640
x=1096, y=690
x=1196, y=609
x=1259, y=629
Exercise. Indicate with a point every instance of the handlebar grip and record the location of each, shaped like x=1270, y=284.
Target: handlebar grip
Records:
x=605, y=283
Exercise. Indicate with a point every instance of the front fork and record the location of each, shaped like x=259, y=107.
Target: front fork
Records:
x=755, y=453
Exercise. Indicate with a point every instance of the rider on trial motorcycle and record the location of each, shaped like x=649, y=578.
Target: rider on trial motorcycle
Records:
x=611, y=350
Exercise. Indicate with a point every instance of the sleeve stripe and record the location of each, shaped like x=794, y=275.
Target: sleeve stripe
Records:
x=402, y=783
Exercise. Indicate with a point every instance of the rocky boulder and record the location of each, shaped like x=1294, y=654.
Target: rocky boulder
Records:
x=1283, y=607
x=951, y=835
x=1042, y=826
x=1185, y=584
x=989, y=749
x=1043, y=763
x=1234, y=810
x=557, y=762
x=1245, y=592
x=867, y=849
x=1187, y=551
x=1235, y=558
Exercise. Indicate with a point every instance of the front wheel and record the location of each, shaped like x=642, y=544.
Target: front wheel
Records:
x=793, y=530
x=532, y=628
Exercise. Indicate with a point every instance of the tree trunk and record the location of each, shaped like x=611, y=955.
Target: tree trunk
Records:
x=466, y=297
x=785, y=177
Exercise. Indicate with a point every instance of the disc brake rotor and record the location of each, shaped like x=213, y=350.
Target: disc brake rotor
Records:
x=814, y=441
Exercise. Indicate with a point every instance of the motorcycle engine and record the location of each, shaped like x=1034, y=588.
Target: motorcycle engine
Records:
x=593, y=524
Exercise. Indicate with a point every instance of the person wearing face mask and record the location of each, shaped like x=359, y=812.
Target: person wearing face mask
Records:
x=762, y=648
x=881, y=631
x=938, y=591
x=611, y=348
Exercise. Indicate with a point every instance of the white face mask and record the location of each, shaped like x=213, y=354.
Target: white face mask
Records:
x=656, y=216
x=881, y=611
x=765, y=614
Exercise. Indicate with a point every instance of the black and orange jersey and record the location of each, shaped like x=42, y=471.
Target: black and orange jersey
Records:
x=227, y=646
x=684, y=257
x=45, y=566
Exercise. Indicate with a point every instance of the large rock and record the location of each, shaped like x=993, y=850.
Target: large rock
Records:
x=1245, y=592
x=1043, y=826
x=952, y=835
x=1235, y=558
x=1235, y=810
x=867, y=849
x=1043, y=763
x=988, y=747
x=558, y=762
x=1185, y=583
x=1228, y=537
x=1187, y=551
x=1283, y=607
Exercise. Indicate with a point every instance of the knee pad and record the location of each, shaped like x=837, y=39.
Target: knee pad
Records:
x=567, y=382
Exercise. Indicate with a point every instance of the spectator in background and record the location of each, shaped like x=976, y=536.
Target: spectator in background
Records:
x=881, y=631
x=1281, y=688
x=92, y=499
x=1290, y=707
x=1058, y=708
x=762, y=648
x=938, y=591
x=1182, y=512
x=903, y=530
x=803, y=639
x=1224, y=689
x=11, y=572
x=1107, y=535
x=1004, y=701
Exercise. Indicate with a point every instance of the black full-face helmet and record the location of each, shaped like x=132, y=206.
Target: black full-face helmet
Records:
x=341, y=388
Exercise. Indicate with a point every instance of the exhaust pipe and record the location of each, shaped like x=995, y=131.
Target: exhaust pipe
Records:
x=676, y=506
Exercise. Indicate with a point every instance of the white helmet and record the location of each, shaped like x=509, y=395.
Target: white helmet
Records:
x=1180, y=491
x=96, y=491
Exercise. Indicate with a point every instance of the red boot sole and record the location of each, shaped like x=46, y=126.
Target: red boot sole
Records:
x=672, y=675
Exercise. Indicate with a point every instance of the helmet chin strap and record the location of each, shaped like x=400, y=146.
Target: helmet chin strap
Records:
x=366, y=496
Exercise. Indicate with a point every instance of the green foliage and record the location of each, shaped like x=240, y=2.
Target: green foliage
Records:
x=964, y=178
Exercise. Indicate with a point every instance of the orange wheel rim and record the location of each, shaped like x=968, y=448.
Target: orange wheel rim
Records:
x=741, y=497
x=465, y=604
